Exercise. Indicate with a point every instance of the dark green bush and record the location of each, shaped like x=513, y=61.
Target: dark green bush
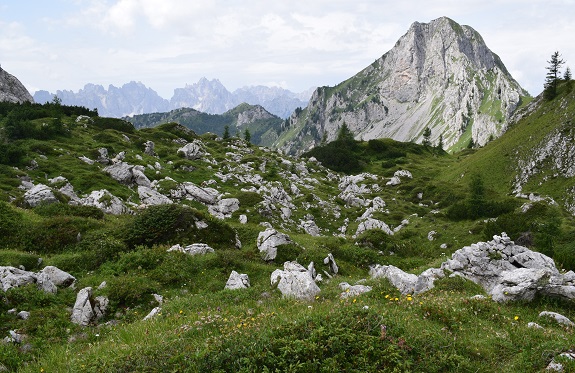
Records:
x=172, y=224
x=58, y=233
x=114, y=124
x=17, y=258
x=10, y=224
x=129, y=291
x=60, y=209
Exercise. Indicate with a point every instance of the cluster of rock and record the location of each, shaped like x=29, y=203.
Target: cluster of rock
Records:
x=48, y=279
x=506, y=271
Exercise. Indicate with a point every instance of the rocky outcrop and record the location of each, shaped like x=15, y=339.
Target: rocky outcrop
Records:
x=439, y=75
x=192, y=150
x=48, y=279
x=105, y=201
x=128, y=174
x=237, y=281
x=193, y=249
x=406, y=283
x=353, y=290
x=150, y=197
x=506, y=271
x=224, y=208
x=295, y=281
x=87, y=309
x=39, y=194
x=268, y=242
x=11, y=90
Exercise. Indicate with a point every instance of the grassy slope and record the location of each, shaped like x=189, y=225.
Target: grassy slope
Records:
x=204, y=328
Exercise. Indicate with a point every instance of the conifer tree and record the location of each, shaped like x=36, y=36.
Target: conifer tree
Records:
x=552, y=78
x=426, y=137
x=440, y=142
x=247, y=136
x=344, y=133
x=226, y=134
x=567, y=75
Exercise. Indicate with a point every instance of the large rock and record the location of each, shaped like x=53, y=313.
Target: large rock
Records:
x=14, y=277
x=407, y=283
x=127, y=174
x=105, y=201
x=353, y=290
x=268, y=242
x=370, y=223
x=295, y=281
x=192, y=150
x=207, y=196
x=510, y=272
x=193, y=249
x=58, y=277
x=150, y=197
x=39, y=194
x=83, y=312
x=224, y=208
x=237, y=281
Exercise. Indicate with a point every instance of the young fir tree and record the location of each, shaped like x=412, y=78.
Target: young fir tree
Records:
x=226, y=134
x=248, y=136
x=344, y=133
x=552, y=78
x=440, y=142
x=567, y=74
x=426, y=137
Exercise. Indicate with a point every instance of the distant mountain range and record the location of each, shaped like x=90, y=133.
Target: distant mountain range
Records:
x=207, y=96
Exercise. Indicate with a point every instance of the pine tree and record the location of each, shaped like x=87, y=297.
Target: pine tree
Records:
x=567, y=75
x=344, y=133
x=426, y=137
x=440, y=142
x=552, y=78
x=247, y=136
x=226, y=134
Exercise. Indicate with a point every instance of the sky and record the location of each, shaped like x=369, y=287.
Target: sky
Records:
x=165, y=44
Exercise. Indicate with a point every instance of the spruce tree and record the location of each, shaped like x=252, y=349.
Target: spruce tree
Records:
x=247, y=136
x=552, y=78
x=426, y=137
x=226, y=133
x=567, y=75
x=440, y=142
x=345, y=133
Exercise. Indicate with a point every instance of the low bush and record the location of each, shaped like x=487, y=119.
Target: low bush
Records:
x=173, y=224
x=130, y=291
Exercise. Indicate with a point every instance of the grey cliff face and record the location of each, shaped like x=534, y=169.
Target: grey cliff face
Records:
x=12, y=90
x=439, y=75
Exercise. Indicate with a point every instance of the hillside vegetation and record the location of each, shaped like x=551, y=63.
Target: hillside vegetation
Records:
x=441, y=203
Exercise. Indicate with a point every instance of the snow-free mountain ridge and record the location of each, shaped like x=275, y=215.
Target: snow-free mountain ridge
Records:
x=208, y=96
x=439, y=75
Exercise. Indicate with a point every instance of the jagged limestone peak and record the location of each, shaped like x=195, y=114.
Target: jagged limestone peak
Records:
x=12, y=90
x=439, y=75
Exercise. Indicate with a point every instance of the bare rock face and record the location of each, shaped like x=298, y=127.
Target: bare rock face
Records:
x=439, y=75
x=12, y=90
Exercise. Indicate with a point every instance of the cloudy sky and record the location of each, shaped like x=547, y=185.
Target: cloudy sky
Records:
x=64, y=44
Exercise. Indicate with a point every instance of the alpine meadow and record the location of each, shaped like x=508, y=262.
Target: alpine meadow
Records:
x=416, y=217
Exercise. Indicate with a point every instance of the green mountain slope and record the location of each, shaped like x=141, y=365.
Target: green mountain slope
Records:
x=416, y=191
x=263, y=126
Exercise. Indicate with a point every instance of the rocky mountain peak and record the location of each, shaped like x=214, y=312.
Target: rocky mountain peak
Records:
x=439, y=75
x=12, y=90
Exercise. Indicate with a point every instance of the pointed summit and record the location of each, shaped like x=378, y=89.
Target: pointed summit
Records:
x=439, y=75
x=12, y=90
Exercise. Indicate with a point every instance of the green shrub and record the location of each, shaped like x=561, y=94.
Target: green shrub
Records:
x=58, y=233
x=129, y=291
x=10, y=224
x=60, y=209
x=17, y=258
x=172, y=224
x=287, y=252
x=248, y=199
x=113, y=123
